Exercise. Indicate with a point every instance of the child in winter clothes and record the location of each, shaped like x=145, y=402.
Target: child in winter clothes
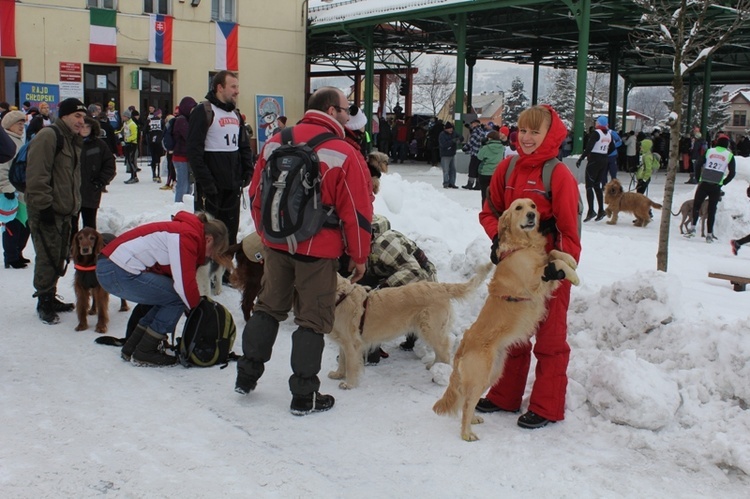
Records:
x=15, y=232
x=490, y=155
x=650, y=161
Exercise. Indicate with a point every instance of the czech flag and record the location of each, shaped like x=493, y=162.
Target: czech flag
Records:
x=160, y=39
x=7, y=28
x=226, y=46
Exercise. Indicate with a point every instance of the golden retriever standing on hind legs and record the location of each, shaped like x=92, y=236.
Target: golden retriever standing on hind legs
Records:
x=618, y=200
x=518, y=293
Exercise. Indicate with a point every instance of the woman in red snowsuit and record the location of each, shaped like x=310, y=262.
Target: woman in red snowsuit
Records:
x=540, y=134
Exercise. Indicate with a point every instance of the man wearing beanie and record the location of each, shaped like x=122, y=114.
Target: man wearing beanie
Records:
x=53, y=198
x=599, y=146
x=718, y=169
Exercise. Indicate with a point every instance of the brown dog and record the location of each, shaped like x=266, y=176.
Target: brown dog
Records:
x=511, y=314
x=87, y=244
x=365, y=318
x=248, y=273
x=618, y=200
x=686, y=210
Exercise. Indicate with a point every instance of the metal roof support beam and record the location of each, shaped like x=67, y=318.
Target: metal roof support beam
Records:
x=369, y=79
x=535, y=80
x=706, y=94
x=459, y=29
x=613, y=70
x=470, y=62
x=689, y=118
x=581, y=10
x=625, y=92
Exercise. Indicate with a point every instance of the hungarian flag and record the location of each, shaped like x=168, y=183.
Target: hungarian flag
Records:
x=103, y=36
x=226, y=46
x=160, y=39
x=7, y=28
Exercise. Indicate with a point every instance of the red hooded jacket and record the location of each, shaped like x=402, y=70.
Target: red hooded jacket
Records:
x=345, y=185
x=526, y=182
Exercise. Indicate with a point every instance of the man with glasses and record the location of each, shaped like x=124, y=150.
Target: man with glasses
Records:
x=306, y=280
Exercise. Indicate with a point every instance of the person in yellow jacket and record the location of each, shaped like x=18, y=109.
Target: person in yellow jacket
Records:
x=129, y=132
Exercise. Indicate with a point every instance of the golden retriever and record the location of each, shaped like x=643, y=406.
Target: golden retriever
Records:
x=618, y=200
x=511, y=314
x=87, y=244
x=364, y=318
x=686, y=210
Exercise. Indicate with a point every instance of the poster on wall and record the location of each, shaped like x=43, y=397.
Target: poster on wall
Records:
x=268, y=109
x=36, y=93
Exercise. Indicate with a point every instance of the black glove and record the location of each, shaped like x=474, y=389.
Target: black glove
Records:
x=494, y=257
x=578, y=163
x=9, y=195
x=98, y=186
x=552, y=274
x=47, y=216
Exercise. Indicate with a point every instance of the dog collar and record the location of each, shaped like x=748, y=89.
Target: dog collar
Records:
x=90, y=268
x=514, y=298
x=506, y=254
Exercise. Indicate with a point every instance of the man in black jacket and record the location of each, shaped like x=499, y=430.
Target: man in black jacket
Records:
x=219, y=152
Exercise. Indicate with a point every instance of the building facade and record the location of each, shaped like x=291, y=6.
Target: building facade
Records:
x=54, y=45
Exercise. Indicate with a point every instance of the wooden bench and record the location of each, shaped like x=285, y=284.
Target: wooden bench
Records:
x=738, y=283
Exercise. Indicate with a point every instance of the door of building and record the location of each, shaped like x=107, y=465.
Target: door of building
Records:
x=102, y=84
x=156, y=90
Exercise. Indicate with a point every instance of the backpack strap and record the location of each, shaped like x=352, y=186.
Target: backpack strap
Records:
x=209, y=112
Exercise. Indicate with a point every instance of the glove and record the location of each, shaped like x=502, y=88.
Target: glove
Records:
x=97, y=184
x=210, y=190
x=552, y=274
x=9, y=195
x=494, y=257
x=47, y=216
x=578, y=163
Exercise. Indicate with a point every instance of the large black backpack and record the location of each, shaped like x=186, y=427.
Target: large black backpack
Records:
x=208, y=336
x=17, y=170
x=291, y=207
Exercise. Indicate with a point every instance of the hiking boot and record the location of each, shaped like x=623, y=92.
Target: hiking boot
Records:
x=46, y=310
x=467, y=186
x=307, y=404
x=165, y=187
x=244, y=384
x=531, y=421
x=690, y=231
x=132, y=180
x=60, y=306
x=486, y=405
x=18, y=264
x=710, y=238
x=129, y=347
x=600, y=215
x=735, y=246
x=147, y=352
x=590, y=215
x=408, y=345
x=373, y=357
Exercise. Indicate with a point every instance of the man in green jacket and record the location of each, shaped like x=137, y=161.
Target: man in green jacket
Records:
x=53, y=198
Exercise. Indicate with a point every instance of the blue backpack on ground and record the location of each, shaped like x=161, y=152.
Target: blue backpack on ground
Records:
x=17, y=171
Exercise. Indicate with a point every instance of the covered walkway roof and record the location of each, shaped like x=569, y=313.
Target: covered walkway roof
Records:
x=518, y=31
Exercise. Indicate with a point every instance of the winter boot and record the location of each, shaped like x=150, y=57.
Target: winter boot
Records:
x=129, y=347
x=690, y=231
x=469, y=184
x=147, y=352
x=531, y=421
x=132, y=180
x=590, y=216
x=735, y=246
x=710, y=238
x=600, y=215
x=60, y=306
x=307, y=404
x=408, y=345
x=46, y=310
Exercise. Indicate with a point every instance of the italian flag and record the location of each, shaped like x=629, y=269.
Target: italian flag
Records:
x=7, y=28
x=103, y=36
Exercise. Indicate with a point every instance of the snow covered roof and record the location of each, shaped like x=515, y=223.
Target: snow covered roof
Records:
x=322, y=12
x=742, y=92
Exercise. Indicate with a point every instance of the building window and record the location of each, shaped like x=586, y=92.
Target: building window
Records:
x=224, y=10
x=739, y=118
x=102, y=4
x=156, y=7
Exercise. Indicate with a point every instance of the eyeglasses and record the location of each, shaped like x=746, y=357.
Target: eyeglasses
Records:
x=341, y=109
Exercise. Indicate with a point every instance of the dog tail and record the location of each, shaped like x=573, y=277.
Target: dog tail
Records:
x=459, y=290
x=674, y=214
x=655, y=205
x=448, y=403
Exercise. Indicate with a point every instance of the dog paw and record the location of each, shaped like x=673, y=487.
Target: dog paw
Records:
x=82, y=327
x=345, y=386
x=92, y=311
x=335, y=375
x=611, y=222
x=469, y=436
x=101, y=328
x=477, y=419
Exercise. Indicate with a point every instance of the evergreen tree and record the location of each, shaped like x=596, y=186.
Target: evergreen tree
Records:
x=563, y=95
x=718, y=110
x=515, y=102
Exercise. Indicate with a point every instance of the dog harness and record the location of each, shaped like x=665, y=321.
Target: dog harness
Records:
x=364, y=310
x=513, y=298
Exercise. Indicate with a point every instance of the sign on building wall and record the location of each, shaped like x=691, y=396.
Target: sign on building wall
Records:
x=268, y=108
x=71, y=80
x=36, y=93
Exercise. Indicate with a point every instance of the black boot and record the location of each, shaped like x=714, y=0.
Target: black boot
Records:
x=307, y=404
x=408, y=345
x=129, y=347
x=147, y=352
x=590, y=215
x=60, y=306
x=469, y=184
x=600, y=215
x=45, y=309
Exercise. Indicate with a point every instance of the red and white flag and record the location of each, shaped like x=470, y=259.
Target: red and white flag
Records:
x=226, y=46
x=7, y=28
x=103, y=36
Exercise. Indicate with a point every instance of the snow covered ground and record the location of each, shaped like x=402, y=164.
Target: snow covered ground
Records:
x=657, y=402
